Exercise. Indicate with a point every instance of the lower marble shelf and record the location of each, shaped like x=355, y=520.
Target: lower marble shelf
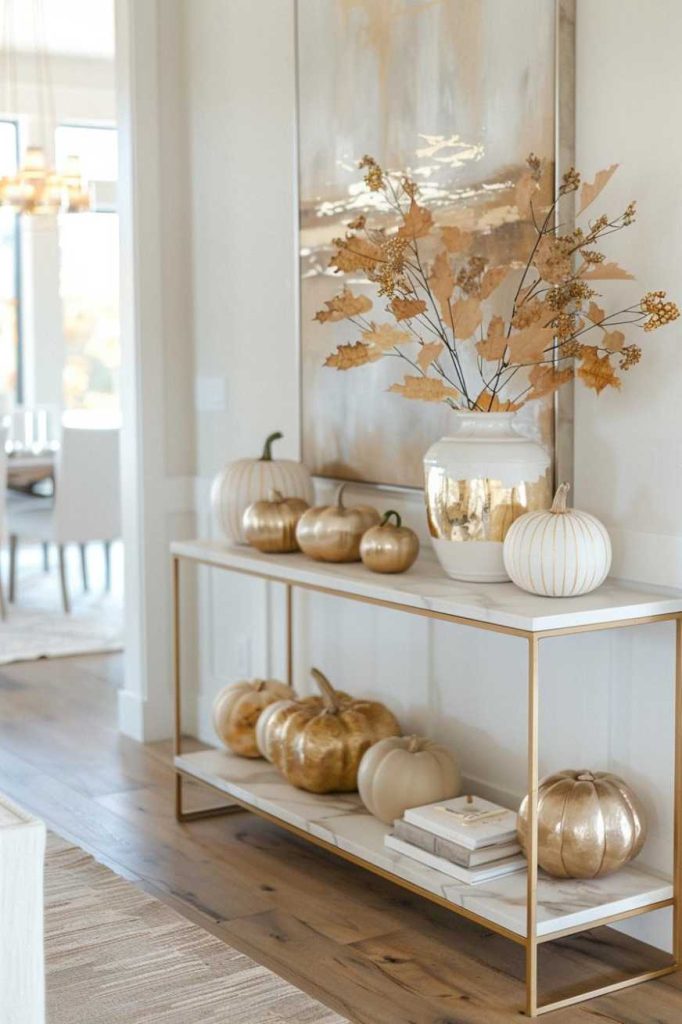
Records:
x=342, y=821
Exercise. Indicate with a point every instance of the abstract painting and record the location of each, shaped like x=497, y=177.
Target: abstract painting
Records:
x=456, y=93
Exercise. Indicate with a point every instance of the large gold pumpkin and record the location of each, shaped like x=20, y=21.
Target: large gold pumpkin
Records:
x=318, y=743
x=237, y=708
x=332, y=533
x=589, y=824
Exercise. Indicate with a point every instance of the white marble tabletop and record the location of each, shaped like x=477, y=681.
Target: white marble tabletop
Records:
x=425, y=586
x=341, y=820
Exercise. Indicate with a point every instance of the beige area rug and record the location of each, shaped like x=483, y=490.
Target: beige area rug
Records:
x=116, y=955
x=36, y=626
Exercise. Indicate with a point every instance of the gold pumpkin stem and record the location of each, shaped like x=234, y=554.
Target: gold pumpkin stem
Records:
x=267, y=447
x=338, y=497
x=387, y=518
x=276, y=495
x=559, y=503
x=328, y=692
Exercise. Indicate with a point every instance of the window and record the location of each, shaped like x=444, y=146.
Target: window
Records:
x=10, y=349
x=89, y=274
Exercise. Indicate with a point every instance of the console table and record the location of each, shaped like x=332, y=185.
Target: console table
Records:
x=527, y=908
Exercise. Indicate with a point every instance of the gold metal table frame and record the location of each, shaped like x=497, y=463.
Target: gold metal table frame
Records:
x=531, y=940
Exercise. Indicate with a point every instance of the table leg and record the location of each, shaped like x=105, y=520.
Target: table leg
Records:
x=677, y=810
x=289, y=636
x=532, y=838
x=180, y=813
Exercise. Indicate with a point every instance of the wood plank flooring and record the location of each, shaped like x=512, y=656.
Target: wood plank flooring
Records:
x=373, y=952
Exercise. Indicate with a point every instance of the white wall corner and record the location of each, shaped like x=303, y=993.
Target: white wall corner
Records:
x=157, y=486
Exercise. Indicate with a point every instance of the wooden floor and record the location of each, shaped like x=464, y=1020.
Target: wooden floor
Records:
x=373, y=952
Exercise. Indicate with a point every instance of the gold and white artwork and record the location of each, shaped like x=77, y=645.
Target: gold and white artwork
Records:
x=456, y=93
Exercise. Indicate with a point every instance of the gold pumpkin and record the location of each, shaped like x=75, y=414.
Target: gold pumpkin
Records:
x=589, y=824
x=388, y=547
x=267, y=739
x=332, y=533
x=318, y=743
x=271, y=525
x=237, y=708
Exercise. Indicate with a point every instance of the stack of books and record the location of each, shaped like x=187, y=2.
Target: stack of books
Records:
x=467, y=837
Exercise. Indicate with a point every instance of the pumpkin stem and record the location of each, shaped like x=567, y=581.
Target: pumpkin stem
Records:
x=328, y=692
x=260, y=685
x=414, y=744
x=276, y=495
x=559, y=503
x=267, y=447
x=585, y=777
x=387, y=518
x=338, y=497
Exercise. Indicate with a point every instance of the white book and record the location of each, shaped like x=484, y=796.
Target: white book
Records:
x=448, y=850
x=472, y=876
x=469, y=821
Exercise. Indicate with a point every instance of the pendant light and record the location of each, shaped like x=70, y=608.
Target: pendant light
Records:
x=37, y=187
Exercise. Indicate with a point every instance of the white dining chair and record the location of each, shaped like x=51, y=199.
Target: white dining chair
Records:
x=86, y=506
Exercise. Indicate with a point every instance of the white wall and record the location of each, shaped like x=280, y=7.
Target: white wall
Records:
x=605, y=698
x=628, y=443
x=157, y=358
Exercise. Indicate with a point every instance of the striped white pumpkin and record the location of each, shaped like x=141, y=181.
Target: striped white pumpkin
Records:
x=248, y=480
x=558, y=553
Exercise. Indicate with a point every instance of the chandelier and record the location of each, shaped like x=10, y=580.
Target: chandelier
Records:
x=38, y=187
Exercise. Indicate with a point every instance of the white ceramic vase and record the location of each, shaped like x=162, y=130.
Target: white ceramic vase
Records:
x=478, y=481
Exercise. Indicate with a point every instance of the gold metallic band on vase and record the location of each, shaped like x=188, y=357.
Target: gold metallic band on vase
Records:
x=479, y=509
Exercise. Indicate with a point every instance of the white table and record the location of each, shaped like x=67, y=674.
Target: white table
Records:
x=22, y=973
x=528, y=909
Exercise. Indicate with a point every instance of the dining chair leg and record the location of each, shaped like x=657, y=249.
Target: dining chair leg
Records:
x=13, y=545
x=107, y=565
x=84, y=566
x=3, y=604
x=62, y=577
x=46, y=557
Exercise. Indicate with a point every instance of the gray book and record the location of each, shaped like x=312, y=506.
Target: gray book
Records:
x=450, y=851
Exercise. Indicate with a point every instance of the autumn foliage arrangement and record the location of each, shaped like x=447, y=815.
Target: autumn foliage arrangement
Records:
x=437, y=294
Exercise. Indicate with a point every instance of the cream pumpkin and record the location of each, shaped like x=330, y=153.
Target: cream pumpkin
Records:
x=406, y=771
x=246, y=481
x=558, y=553
x=237, y=708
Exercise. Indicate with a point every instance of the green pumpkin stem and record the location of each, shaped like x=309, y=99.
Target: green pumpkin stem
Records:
x=387, y=518
x=329, y=694
x=267, y=447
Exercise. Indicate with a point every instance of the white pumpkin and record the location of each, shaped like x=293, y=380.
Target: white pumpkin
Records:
x=238, y=707
x=246, y=481
x=406, y=771
x=558, y=553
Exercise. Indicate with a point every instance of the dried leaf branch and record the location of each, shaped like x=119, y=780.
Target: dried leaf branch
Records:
x=439, y=308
